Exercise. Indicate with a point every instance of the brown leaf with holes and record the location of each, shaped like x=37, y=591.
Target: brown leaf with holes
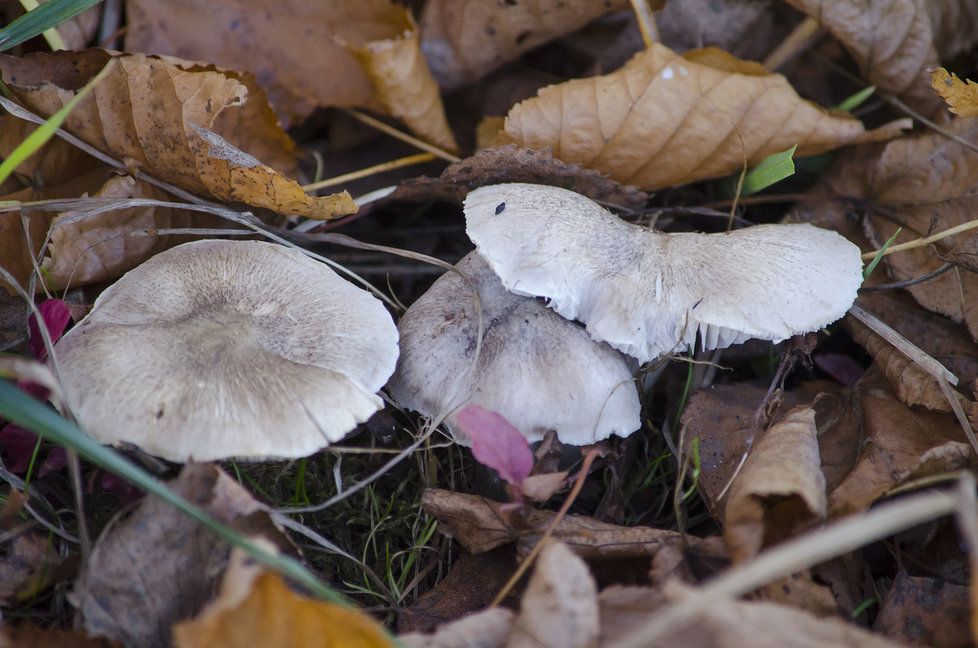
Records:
x=168, y=132
x=960, y=96
x=158, y=566
x=664, y=119
x=511, y=163
x=257, y=608
x=895, y=42
x=780, y=490
x=466, y=39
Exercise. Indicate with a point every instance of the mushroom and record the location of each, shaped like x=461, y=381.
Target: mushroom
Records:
x=218, y=349
x=537, y=369
x=648, y=293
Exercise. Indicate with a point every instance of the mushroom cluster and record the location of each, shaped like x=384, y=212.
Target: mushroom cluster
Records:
x=642, y=292
x=219, y=349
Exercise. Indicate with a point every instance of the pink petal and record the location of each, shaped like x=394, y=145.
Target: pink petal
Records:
x=496, y=443
x=56, y=316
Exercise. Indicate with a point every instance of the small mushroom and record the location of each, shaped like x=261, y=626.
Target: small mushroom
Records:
x=648, y=293
x=538, y=370
x=219, y=349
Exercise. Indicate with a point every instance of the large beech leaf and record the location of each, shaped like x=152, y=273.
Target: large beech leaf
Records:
x=895, y=42
x=665, y=119
x=162, y=115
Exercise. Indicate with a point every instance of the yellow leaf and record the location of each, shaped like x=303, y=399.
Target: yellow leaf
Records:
x=162, y=114
x=258, y=610
x=960, y=96
x=665, y=119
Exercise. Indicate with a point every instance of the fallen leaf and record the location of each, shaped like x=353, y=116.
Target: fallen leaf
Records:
x=25, y=565
x=496, y=443
x=464, y=41
x=486, y=629
x=168, y=132
x=925, y=612
x=13, y=317
x=55, y=314
x=895, y=42
x=480, y=525
x=511, y=163
x=542, y=487
x=741, y=27
x=801, y=592
x=28, y=636
x=471, y=584
x=689, y=564
x=54, y=163
x=560, y=606
x=960, y=96
x=666, y=119
x=256, y=608
x=158, y=566
x=780, y=490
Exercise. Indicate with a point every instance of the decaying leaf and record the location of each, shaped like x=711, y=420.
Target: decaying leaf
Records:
x=560, y=606
x=960, y=96
x=742, y=27
x=465, y=40
x=13, y=320
x=511, y=163
x=665, y=119
x=256, y=608
x=486, y=629
x=480, y=525
x=159, y=566
x=24, y=563
x=781, y=489
x=168, y=132
x=895, y=42
x=922, y=611
x=56, y=162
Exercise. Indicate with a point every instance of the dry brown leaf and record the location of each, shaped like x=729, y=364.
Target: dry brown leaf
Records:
x=800, y=591
x=159, y=566
x=741, y=27
x=28, y=636
x=901, y=444
x=13, y=320
x=665, y=119
x=480, y=525
x=24, y=565
x=925, y=612
x=465, y=40
x=167, y=131
x=689, y=564
x=486, y=629
x=780, y=490
x=514, y=164
x=256, y=608
x=960, y=96
x=56, y=162
x=895, y=42
x=560, y=606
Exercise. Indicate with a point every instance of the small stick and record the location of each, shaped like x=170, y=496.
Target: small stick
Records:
x=417, y=158
x=646, y=22
x=404, y=137
x=924, y=241
x=538, y=547
x=797, y=41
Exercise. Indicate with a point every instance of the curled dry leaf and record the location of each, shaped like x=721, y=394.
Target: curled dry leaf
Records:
x=960, y=96
x=466, y=40
x=168, y=131
x=481, y=525
x=159, y=566
x=510, y=163
x=665, y=119
x=487, y=629
x=287, y=44
x=895, y=42
x=560, y=606
x=780, y=490
x=257, y=608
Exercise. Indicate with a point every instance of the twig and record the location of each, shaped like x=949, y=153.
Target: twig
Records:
x=518, y=574
x=401, y=135
x=417, y=158
x=924, y=241
x=906, y=283
x=646, y=22
x=797, y=41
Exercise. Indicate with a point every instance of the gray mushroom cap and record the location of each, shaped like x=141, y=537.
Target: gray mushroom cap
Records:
x=218, y=349
x=648, y=293
x=535, y=368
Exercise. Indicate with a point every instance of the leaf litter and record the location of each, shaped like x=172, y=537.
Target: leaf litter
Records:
x=786, y=495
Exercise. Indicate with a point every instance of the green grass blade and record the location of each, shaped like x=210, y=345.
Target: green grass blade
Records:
x=852, y=102
x=36, y=22
x=45, y=131
x=28, y=412
x=774, y=168
x=879, y=255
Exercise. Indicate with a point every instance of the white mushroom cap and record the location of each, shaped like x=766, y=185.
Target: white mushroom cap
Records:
x=219, y=349
x=648, y=293
x=536, y=369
